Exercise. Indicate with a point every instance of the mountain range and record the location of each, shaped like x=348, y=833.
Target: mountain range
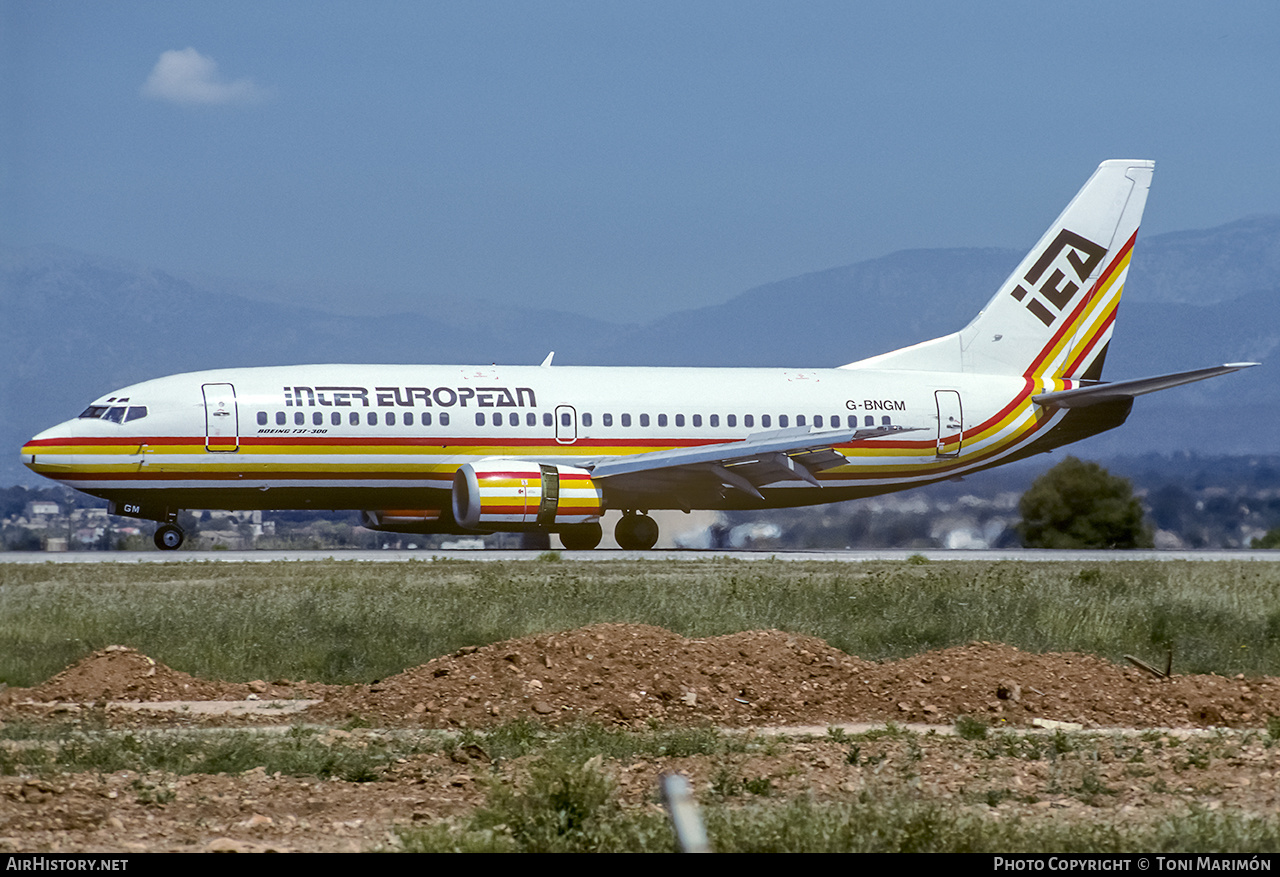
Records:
x=73, y=326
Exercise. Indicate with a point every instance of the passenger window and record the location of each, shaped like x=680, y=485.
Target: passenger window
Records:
x=354, y=418
x=885, y=421
x=764, y=420
x=662, y=420
x=497, y=419
x=479, y=418
x=408, y=418
x=715, y=420
x=869, y=421
x=626, y=420
x=530, y=419
x=697, y=420
x=280, y=418
x=426, y=418
x=262, y=418
x=586, y=419
x=817, y=420
x=444, y=418
x=566, y=419
x=607, y=419
x=853, y=421
x=299, y=418
x=679, y=420
x=546, y=419
x=799, y=420
x=782, y=420
x=317, y=418
x=748, y=420
x=336, y=418
x=371, y=418
x=513, y=419
x=644, y=419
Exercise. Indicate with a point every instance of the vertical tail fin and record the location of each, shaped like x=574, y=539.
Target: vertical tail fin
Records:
x=1053, y=316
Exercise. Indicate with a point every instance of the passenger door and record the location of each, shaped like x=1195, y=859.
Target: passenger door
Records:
x=950, y=422
x=221, y=419
x=566, y=424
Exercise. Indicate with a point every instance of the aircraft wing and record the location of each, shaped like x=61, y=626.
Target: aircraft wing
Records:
x=1082, y=397
x=758, y=460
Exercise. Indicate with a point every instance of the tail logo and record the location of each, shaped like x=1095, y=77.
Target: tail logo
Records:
x=1082, y=256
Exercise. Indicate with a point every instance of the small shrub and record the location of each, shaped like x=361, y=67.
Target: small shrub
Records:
x=970, y=728
x=562, y=809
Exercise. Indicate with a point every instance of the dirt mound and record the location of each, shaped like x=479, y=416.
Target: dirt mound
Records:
x=634, y=674
x=120, y=673
x=609, y=672
x=1000, y=682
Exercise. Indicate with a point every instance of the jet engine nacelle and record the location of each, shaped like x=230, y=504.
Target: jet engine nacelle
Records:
x=517, y=495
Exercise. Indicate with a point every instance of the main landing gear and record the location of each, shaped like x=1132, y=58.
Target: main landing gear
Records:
x=636, y=532
x=169, y=537
x=581, y=537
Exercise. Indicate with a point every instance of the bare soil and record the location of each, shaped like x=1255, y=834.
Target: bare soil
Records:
x=633, y=675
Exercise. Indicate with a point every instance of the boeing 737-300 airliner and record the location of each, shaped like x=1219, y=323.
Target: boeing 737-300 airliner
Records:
x=546, y=449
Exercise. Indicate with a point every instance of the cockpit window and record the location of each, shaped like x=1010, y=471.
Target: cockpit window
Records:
x=114, y=414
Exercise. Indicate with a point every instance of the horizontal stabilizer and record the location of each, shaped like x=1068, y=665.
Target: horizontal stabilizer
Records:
x=1082, y=397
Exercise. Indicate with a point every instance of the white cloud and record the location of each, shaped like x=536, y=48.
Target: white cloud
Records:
x=187, y=77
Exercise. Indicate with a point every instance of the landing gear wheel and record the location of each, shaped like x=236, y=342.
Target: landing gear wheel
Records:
x=169, y=538
x=636, y=532
x=581, y=537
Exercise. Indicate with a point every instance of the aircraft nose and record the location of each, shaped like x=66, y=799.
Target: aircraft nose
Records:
x=36, y=451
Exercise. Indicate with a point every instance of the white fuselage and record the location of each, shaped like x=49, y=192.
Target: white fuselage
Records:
x=369, y=436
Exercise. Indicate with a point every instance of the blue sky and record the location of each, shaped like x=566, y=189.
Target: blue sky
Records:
x=616, y=159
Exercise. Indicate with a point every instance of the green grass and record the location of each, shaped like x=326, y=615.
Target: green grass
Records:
x=581, y=742
x=300, y=752
x=341, y=621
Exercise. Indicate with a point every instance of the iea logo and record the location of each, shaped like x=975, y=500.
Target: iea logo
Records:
x=1071, y=253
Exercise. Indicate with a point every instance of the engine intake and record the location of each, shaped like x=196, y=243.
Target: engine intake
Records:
x=517, y=495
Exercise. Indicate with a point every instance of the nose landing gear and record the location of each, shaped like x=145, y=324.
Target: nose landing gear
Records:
x=169, y=537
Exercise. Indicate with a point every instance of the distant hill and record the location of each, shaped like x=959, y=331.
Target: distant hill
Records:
x=1209, y=266
x=74, y=325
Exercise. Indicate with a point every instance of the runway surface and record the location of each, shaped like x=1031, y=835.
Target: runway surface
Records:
x=428, y=555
